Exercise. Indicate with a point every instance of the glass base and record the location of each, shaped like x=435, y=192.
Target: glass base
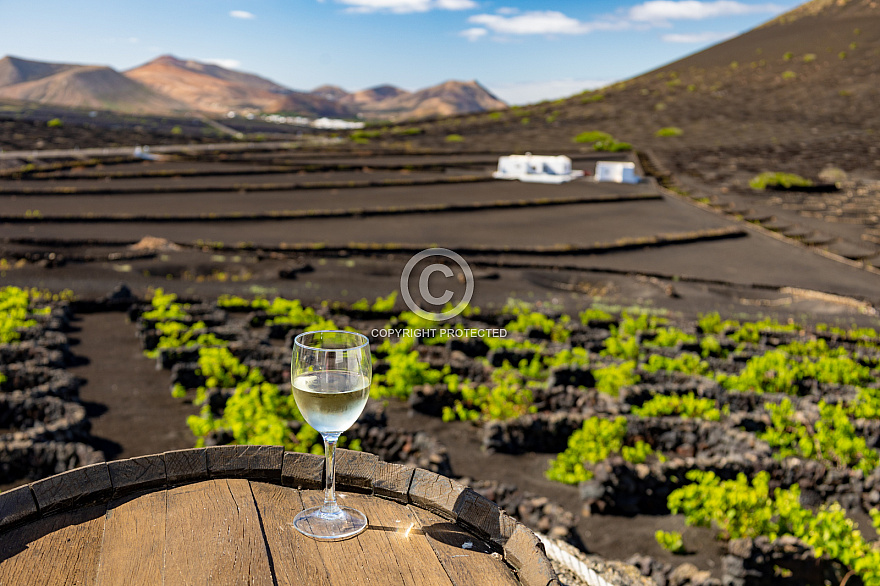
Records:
x=341, y=524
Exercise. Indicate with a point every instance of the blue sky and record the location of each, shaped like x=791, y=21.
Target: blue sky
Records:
x=524, y=51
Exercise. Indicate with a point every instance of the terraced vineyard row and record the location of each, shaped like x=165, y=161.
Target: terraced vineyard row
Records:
x=232, y=357
x=643, y=415
x=43, y=426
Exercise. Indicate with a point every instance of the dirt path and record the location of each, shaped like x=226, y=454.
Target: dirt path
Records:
x=128, y=401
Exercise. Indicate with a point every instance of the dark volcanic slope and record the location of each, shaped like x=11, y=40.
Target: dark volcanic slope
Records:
x=814, y=71
x=810, y=77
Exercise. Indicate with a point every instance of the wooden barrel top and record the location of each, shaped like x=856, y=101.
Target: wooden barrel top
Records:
x=222, y=515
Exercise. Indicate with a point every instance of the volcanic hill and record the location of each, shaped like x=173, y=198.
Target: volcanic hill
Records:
x=81, y=86
x=446, y=99
x=211, y=88
x=387, y=102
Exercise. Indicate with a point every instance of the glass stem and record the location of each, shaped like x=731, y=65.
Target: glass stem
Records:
x=330, y=506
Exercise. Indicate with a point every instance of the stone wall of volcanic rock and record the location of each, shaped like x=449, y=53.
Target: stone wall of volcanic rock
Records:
x=43, y=426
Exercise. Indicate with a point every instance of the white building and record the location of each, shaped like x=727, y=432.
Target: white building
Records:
x=616, y=172
x=143, y=152
x=536, y=168
x=336, y=124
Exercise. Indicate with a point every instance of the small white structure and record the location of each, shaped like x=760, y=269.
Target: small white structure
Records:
x=143, y=152
x=536, y=168
x=616, y=172
x=336, y=124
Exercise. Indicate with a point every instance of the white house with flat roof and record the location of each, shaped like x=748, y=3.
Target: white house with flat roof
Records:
x=616, y=172
x=536, y=168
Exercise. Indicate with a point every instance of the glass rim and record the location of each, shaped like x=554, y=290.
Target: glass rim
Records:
x=298, y=342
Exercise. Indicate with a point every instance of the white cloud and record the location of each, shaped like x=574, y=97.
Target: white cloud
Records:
x=663, y=10
x=543, y=22
x=548, y=22
x=456, y=4
x=406, y=6
x=509, y=21
x=473, y=34
x=707, y=37
x=227, y=63
x=243, y=14
x=531, y=92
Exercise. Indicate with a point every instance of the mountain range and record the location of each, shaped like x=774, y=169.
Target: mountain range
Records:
x=168, y=84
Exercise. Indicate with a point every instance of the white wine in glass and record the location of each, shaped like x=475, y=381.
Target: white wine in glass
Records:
x=331, y=400
x=330, y=374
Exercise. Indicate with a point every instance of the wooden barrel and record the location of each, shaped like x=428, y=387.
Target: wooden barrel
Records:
x=222, y=515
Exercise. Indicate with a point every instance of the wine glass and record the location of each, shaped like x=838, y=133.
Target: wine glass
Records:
x=330, y=374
